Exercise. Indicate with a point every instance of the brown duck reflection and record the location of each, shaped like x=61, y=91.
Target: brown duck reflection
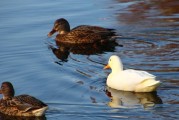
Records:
x=62, y=51
x=6, y=117
x=123, y=99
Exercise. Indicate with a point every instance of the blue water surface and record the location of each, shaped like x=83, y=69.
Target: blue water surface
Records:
x=75, y=88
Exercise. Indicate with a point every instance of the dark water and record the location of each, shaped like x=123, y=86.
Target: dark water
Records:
x=74, y=87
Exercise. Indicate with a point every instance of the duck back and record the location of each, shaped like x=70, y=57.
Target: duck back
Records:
x=86, y=34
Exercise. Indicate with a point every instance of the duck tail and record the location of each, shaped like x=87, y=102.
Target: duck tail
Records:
x=148, y=85
x=40, y=112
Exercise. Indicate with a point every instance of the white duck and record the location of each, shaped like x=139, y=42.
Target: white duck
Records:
x=129, y=80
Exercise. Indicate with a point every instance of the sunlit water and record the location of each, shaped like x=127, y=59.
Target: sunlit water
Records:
x=75, y=88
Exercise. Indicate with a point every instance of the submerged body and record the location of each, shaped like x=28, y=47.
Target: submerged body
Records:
x=129, y=80
x=83, y=34
x=22, y=105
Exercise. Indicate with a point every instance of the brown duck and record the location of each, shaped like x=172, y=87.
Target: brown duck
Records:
x=83, y=34
x=22, y=105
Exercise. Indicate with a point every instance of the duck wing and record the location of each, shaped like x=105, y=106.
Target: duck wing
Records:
x=77, y=36
x=26, y=102
x=21, y=105
x=135, y=76
x=86, y=36
x=30, y=100
x=128, y=79
x=13, y=106
x=93, y=28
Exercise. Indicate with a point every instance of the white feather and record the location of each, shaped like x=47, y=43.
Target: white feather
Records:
x=40, y=112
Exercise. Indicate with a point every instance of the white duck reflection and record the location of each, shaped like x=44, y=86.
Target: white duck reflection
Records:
x=123, y=99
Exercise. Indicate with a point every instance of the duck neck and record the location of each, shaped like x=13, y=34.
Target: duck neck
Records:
x=64, y=29
x=7, y=97
x=117, y=68
x=63, y=32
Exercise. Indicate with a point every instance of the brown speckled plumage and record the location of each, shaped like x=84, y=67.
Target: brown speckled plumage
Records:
x=81, y=34
x=22, y=105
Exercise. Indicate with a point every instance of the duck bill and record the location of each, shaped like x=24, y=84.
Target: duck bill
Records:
x=106, y=67
x=51, y=32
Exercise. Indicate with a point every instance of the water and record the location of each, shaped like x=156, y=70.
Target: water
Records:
x=74, y=87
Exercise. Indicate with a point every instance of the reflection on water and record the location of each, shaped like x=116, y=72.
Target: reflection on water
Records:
x=153, y=30
x=163, y=11
x=62, y=51
x=123, y=99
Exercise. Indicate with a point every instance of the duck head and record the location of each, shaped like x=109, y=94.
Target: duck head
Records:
x=61, y=25
x=115, y=64
x=7, y=90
